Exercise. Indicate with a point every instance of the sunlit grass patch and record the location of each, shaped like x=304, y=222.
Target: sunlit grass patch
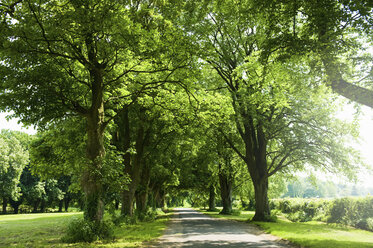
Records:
x=318, y=234
x=46, y=230
x=35, y=230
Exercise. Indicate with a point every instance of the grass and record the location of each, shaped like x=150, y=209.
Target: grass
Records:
x=311, y=234
x=46, y=230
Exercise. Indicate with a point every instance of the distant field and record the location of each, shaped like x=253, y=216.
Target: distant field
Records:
x=310, y=234
x=46, y=230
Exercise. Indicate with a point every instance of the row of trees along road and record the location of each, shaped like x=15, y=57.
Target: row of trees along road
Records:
x=153, y=83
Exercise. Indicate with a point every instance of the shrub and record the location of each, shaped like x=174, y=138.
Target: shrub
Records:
x=81, y=230
x=365, y=224
x=299, y=216
x=301, y=209
x=370, y=224
x=285, y=206
x=148, y=216
x=337, y=210
x=357, y=212
x=351, y=211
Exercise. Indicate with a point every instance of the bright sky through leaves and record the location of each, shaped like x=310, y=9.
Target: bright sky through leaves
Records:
x=14, y=125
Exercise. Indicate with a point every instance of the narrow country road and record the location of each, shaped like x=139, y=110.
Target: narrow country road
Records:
x=189, y=228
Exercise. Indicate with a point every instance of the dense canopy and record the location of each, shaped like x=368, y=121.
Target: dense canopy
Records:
x=136, y=100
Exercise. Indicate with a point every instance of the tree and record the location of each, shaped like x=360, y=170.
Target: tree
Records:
x=14, y=158
x=274, y=112
x=85, y=58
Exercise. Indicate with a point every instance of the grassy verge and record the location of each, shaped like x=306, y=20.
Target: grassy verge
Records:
x=310, y=234
x=46, y=230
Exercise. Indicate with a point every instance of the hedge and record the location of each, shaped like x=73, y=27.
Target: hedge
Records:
x=357, y=212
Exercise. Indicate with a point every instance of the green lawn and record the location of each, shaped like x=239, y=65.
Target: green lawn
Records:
x=310, y=234
x=46, y=230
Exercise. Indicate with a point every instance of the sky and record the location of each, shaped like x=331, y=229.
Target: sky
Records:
x=14, y=125
x=366, y=138
x=346, y=113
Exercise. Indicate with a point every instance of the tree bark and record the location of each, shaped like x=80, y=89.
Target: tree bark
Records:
x=116, y=204
x=256, y=161
x=92, y=179
x=60, y=206
x=36, y=205
x=128, y=196
x=123, y=143
x=133, y=168
x=226, y=193
x=160, y=199
x=16, y=209
x=262, y=211
x=340, y=86
x=143, y=190
x=5, y=204
x=67, y=202
x=127, y=202
x=43, y=206
x=212, y=205
x=141, y=202
x=15, y=205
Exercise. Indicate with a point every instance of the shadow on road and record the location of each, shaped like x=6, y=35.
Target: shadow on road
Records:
x=189, y=228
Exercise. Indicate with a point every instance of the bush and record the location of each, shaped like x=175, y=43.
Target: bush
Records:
x=338, y=210
x=300, y=210
x=299, y=216
x=357, y=212
x=81, y=230
x=148, y=216
x=365, y=224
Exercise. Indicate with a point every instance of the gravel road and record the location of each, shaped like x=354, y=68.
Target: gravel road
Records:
x=189, y=228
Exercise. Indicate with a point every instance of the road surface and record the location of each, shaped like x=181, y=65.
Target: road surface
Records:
x=189, y=228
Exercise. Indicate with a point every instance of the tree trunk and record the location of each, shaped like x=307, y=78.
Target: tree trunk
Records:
x=36, y=205
x=123, y=143
x=226, y=193
x=151, y=201
x=256, y=161
x=93, y=200
x=134, y=170
x=262, y=211
x=16, y=209
x=143, y=189
x=160, y=199
x=42, y=206
x=60, y=206
x=66, y=202
x=163, y=201
x=212, y=206
x=15, y=205
x=92, y=179
x=141, y=201
x=127, y=202
x=5, y=204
